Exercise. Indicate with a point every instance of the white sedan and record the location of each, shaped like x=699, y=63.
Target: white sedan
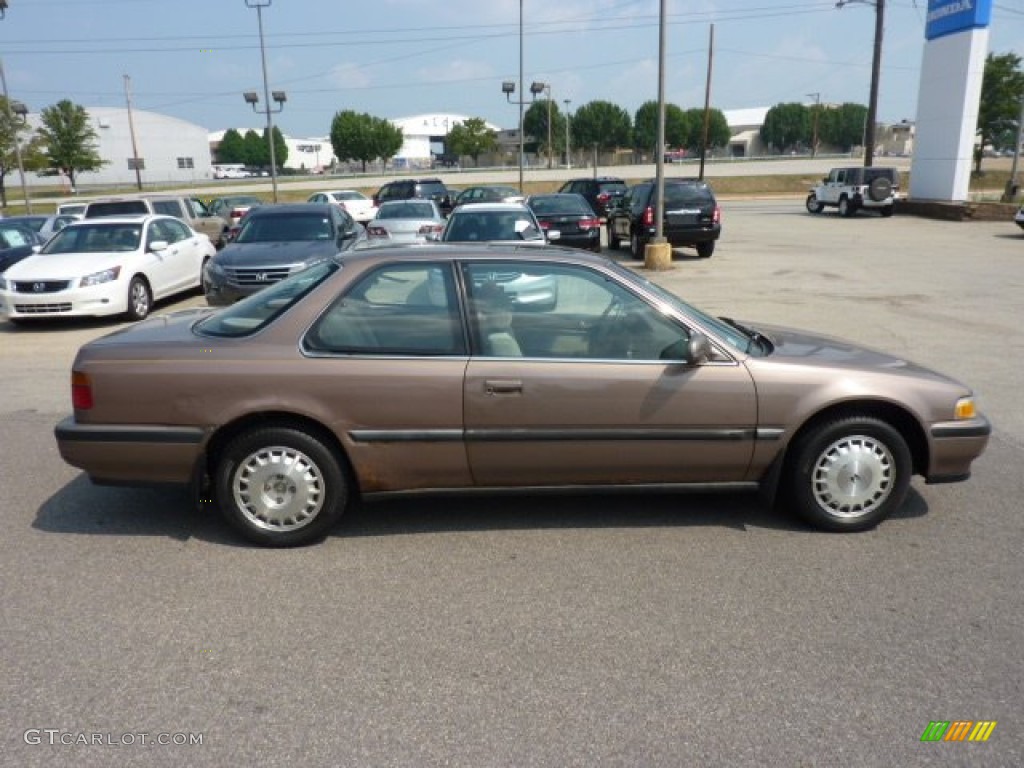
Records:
x=358, y=205
x=110, y=266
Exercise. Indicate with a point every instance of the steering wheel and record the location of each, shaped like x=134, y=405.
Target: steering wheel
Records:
x=603, y=340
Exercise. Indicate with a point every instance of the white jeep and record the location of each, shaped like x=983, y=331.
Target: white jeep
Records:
x=850, y=189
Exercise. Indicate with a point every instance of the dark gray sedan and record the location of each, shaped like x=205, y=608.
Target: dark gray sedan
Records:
x=277, y=241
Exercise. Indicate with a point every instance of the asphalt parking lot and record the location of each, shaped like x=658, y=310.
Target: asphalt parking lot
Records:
x=567, y=631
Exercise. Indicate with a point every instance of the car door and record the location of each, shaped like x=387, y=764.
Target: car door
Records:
x=185, y=256
x=391, y=355
x=585, y=392
x=836, y=179
x=160, y=263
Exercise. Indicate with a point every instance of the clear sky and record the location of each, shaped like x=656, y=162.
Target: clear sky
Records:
x=396, y=58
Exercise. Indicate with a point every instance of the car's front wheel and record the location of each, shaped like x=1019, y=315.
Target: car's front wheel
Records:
x=887, y=210
x=849, y=474
x=813, y=204
x=140, y=298
x=280, y=486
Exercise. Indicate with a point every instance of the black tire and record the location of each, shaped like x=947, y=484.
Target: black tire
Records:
x=613, y=241
x=879, y=189
x=887, y=211
x=637, y=245
x=849, y=474
x=140, y=298
x=813, y=206
x=704, y=250
x=307, y=505
x=202, y=276
x=846, y=207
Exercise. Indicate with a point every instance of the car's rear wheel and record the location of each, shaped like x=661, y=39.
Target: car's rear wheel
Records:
x=140, y=298
x=849, y=474
x=613, y=240
x=704, y=250
x=845, y=206
x=637, y=245
x=887, y=211
x=813, y=205
x=280, y=486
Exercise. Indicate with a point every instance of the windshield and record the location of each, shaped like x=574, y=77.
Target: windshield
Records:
x=96, y=238
x=733, y=336
x=261, y=308
x=289, y=227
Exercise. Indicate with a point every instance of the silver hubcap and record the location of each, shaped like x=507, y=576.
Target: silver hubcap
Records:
x=139, y=299
x=278, y=489
x=853, y=476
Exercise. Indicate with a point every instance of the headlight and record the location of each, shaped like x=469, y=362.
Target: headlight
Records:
x=96, y=278
x=965, y=408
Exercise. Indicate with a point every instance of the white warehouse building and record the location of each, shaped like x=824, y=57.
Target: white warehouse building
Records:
x=169, y=150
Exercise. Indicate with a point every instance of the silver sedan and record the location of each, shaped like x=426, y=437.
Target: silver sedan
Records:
x=406, y=221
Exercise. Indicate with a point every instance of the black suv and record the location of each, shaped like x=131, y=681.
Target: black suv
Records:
x=692, y=216
x=603, y=193
x=407, y=189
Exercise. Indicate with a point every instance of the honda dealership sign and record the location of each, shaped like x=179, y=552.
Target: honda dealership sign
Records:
x=948, y=97
x=946, y=17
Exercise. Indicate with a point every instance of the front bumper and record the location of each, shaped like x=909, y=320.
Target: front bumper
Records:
x=953, y=446
x=109, y=298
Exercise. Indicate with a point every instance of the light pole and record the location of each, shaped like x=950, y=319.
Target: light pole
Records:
x=876, y=64
x=536, y=89
x=508, y=87
x=280, y=97
x=568, y=150
x=259, y=5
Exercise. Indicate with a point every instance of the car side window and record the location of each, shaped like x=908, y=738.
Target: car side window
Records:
x=176, y=231
x=542, y=310
x=399, y=309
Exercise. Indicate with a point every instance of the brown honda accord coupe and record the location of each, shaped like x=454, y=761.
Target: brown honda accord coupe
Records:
x=449, y=368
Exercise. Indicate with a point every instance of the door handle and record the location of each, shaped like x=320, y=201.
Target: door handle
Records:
x=503, y=386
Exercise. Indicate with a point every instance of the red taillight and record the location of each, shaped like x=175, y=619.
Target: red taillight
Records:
x=237, y=213
x=428, y=229
x=81, y=391
x=589, y=223
x=717, y=215
x=648, y=216
x=377, y=232
x=603, y=197
x=544, y=224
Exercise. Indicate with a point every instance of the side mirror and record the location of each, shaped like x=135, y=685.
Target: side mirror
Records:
x=158, y=245
x=699, y=349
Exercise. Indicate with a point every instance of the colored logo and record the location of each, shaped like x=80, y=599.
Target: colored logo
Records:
x=958, y=730
x=946, y=17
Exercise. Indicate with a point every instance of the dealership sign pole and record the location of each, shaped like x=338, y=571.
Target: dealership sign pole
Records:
x=952, y=70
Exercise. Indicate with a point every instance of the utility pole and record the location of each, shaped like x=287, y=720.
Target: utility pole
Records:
x=707, y=102
x=568, y=149
x=131, y=129
x=814, y=135
x=876, y=65
x=14, y=129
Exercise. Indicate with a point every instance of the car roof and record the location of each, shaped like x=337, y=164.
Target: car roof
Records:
x=124, y=218
x=485, y=207
x=284, y=208
x=494, y=251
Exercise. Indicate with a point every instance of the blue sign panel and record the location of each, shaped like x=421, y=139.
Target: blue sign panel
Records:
x=947, y=17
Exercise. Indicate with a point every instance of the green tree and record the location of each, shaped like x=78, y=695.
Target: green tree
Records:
x=645, y=127
x=1002, y=90
x=387, y=138
x=718, y=129
x=841, y=126
x=280, y=148
x=14, y=131
x=69, y=139
x=231, y=148
x=362, y=137
x=471, y=137
x=787, y=126
x=256, y=153
x=603, y=124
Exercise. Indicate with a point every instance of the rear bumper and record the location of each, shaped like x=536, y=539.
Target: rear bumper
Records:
x=954, y=446
x=131, y=454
